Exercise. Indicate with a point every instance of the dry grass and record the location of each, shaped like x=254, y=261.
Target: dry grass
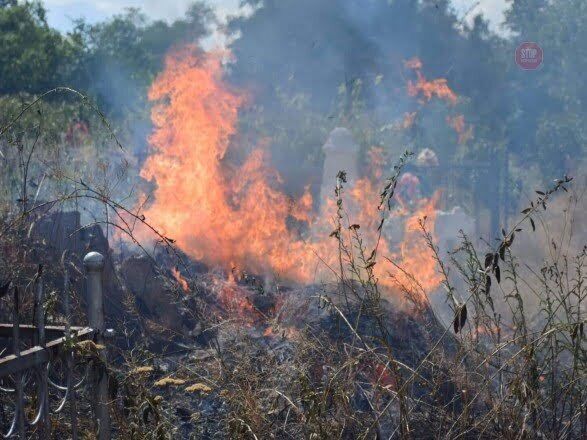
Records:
x=351, y=366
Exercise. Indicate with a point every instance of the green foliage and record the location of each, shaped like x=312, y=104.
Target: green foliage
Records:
x=113, y=61
x=31, y=53
x=549, y=105
x=118, y=59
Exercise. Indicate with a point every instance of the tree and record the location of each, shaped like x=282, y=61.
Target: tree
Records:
x=31, y=53
x=548, y=106
x=119, y=58
x=343, y=61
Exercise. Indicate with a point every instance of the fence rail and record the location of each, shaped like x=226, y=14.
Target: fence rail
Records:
x=52, y=344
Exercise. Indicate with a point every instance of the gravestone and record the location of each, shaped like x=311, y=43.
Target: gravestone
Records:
x=448, y=226
x=340, y=154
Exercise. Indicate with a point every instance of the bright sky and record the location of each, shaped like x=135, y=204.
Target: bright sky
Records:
x=62, y=12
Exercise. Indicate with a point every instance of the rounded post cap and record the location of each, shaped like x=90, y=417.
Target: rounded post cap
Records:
x=94, y=261
x=341, y=141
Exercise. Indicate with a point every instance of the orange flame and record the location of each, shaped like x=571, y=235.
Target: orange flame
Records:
x=416, y=258
x=235, y=300
x=458, y=124
x=237, y=216
x=428, y=89
x=180, y=280
x=216, y=212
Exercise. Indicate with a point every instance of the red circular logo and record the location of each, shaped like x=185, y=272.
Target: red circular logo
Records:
x=529, y=56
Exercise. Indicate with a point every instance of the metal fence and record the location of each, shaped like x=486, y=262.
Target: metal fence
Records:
x=53, y=345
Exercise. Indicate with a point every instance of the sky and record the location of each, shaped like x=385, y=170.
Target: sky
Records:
x=61, y=13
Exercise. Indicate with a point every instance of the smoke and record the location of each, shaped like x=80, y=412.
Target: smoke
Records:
x=308, y=66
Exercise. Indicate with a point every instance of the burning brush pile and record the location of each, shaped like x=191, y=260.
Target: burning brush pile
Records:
x=273, y=318
x=278, y=361
x=237, y=217
x=263, y=316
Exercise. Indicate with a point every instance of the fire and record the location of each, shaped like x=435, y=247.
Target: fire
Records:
x=235, y=300
x=428, y=89
x=216, y=212
x=180, y=280
x=415, y=256
x=458, y=124
x=236, y=216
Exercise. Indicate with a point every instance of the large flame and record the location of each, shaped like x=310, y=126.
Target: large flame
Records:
x=216, y=213
x=238, y=216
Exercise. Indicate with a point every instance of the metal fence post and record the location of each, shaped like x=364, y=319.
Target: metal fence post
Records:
x=42, y=420
x=70, y=356
x=94, y=265
x=19, y=409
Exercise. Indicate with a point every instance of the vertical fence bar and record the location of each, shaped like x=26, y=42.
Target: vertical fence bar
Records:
x=19, y=407
x=70, y=355
x=40, y=311
x=94, y=265
x=43, y=429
